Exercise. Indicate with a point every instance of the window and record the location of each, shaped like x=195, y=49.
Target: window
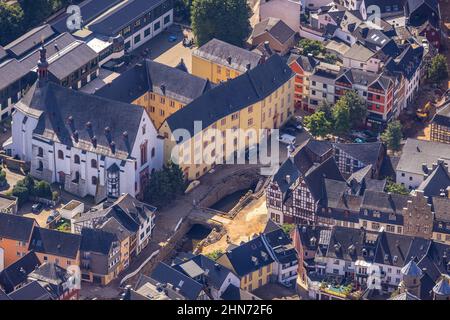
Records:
x=144, y=153
x=94, y=163
x=40, y=166
x=94, y=180
x=167, y=19
x=157, y=26
x=147, y=32
x=40, y=152
x=76, y=159
x=137, y=39
x=60, y=155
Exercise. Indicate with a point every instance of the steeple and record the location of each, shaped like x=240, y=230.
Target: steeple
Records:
x=42, y=65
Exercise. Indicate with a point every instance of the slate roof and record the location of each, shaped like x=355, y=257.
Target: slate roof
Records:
x=54, y=104
x=384, y=203
x=234, y=293
x=442, y=288
x=233, y=95
x=188, y=287
x=359, y=52
x=17, y=273
x=407, y=62
x=369, y=79
x=420, y=11
x=351, y=244
x=31, y=291
x=441, y=208
x=10, y=72
x=149, y=289
x=437, y=180
x=316, y=176
x=442, y=116
x=281, y=246
x=307, y=63
x=275, y=27
x=58, y=243
x=368, y=153
x=386, y=6
x=200, y=265
x=96, y=240
x=392, y=249
x=411, y=269
x=219, y=51
x=337, y=195
x=15, y=227
x=90, y=9
x=417, y=152
x=249, y=257
x=51, y=274
x=29, y=40
x=114, y=21
x=154, y=77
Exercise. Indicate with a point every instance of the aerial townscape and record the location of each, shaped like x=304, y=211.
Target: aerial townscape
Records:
x=224, y=150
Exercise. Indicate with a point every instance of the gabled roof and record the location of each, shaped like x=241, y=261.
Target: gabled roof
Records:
x=249, y=257
x=352, y=244
x=442, y=116
x=405, y=296
x=407, y=62
x=62, y=112
x=29, y=40
x=384, y=202
x=233, y=95
x=154, y=77
x=315, y=177
x=411, y=269
x=96, y=240
x=437, y=180
x=307, y=63
x=275, y=27
x=31, y=291
x=61, y=244
x=441, y=208
x=149, y=289
x=442, y=288
x=368, y=153
x=16, y=227
x=220, y=52
x=234, y=293
x=51, y=274
x=17, y=273
x=185, y=285
x=393, y=249
x=10, y=72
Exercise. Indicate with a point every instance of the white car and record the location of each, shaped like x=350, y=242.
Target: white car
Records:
x=286, y=139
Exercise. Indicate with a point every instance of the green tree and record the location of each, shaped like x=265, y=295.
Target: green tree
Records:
x=182, y=9
x=42, y=189
x=318, y=124
x=341, y=118
x=438, y=70
x=311, y=46
x=392, y=136
x=397, y=188
x=330, y=58
x=11, y=22
x=214, y=255
x=357, y=107
x=326, y=108
x=287, y=228
x=21, y=192
x=226, y=20
x=164, y=185
x=35, y=11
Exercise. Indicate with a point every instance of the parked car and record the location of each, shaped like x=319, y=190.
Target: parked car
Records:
x=37, y=207
x=52, y=216
x=172, y=38
x=359, y=140
x=286, y=139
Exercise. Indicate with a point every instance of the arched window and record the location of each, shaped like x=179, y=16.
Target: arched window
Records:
x=94, y=180
x=76, y=159
x=77, y=177
x=60, y=155
x=153, y=152
x=93, y=163
x=40, y=166
x=40, y=152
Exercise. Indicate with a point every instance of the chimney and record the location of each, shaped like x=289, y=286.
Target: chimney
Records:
x=424, y=167
x=94, y=141
x=112, y=145
x=229, y=60
x=267, y=45
x=163, y=89
x=75, y=136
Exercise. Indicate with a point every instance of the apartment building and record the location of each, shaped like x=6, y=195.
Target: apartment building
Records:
x=219, y=61
x=261, y=98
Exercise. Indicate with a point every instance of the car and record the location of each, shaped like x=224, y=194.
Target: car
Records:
x=289, y=130
x=37, y=207
x=359, y=140
x=172, y=38
x=286, y=139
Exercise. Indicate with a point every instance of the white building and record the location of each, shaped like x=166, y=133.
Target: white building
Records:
x=90, y=145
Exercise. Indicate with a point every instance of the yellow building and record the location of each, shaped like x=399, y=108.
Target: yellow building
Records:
x=160, y=89
x=219, y=61
x=260, y=99
x=251, y=262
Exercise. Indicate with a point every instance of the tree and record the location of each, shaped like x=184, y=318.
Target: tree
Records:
x=392, y=136
x=438, y=70
x=42, y=189
x=396, y=188
x=311, y=46
x=341, y=118
x=318, y=124
x=165, y=185
x=35, y=11
x=326, y=108
x=330, y=58
x=3, y=180
x=226, y=20
x=11, y=22
x=182, y=9
x=214, y=255
x=287, y=228
x=21, y=192
x=357, y=107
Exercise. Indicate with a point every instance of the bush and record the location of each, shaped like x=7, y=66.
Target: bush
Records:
x=42, y=190
x=22, y=194
x=55, y=195
x=214, y=255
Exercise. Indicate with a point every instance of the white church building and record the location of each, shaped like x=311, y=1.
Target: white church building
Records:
x=90, y=145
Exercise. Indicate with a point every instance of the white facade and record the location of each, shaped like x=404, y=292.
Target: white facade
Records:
x=143, y=35
x=84, y=171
